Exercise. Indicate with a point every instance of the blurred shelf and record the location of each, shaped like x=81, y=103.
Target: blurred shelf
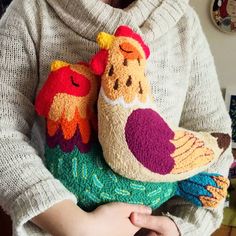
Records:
x=225, y=231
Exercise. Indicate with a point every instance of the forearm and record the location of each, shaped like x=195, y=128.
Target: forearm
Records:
x=62, y=219
x=27, y=188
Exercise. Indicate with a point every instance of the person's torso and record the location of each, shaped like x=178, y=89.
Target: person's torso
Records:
x=168, y=67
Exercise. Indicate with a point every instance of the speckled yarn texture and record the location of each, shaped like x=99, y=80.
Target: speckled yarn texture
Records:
x=181, y=72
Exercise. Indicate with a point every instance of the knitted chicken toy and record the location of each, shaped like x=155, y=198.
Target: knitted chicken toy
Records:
x=142, y=159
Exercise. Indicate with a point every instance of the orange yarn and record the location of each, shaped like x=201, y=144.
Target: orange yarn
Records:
x=217, y=193
x=129, y=51
x=69, y=127
x=190, y=152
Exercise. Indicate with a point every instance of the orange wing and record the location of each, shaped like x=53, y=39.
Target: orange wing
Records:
x=190, y=152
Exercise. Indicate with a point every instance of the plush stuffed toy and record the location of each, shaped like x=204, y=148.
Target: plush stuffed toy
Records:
x=143, y=160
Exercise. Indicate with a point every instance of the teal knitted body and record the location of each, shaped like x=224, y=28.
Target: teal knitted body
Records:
x=94, y=183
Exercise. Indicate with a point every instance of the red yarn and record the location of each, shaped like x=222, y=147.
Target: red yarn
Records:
x=99, y=61
x=126, y=31
x=63, y=80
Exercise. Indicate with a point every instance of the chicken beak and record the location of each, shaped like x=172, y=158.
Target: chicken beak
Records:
x=56, y=65
x=105, y=40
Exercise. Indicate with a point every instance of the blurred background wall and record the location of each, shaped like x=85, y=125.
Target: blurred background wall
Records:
x=223, y=46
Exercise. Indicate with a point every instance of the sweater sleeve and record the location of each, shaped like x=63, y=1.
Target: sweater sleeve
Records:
x=204, y=110
x=26, y=187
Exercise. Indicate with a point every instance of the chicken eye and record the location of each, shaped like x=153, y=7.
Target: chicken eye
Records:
x=73, y=82
x=140, y=88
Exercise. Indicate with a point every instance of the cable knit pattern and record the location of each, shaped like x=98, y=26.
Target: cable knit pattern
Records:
x=33, y=33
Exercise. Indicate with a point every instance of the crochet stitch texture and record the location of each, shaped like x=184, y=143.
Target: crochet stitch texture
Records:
x=181, y=72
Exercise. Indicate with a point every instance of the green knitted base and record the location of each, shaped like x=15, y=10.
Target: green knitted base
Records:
x=94, y=183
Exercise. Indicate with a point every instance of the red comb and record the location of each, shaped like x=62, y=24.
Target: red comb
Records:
x=126, y=31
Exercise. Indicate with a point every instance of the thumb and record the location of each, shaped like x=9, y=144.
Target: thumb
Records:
x=147, y=221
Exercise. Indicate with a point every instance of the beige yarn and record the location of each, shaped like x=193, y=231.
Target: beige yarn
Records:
x=33, y=33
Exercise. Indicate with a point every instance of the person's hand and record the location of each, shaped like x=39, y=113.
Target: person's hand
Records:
x=114, y=219
x=154, y=225
x=67, y=219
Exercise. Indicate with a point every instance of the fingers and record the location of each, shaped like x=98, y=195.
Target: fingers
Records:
x=127, y=209
x=158, y=225
x=147, y=221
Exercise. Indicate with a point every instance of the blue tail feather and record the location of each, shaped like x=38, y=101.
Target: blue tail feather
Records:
x=193, y=188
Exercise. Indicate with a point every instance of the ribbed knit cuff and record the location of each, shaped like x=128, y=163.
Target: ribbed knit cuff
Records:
x=184, y=227
x=36, y=200
x=197, y=222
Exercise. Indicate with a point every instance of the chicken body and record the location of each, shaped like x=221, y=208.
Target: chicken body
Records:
x=137, y=142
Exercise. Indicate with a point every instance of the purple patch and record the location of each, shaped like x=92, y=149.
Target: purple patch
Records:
x=148, y=138
x=68, y=145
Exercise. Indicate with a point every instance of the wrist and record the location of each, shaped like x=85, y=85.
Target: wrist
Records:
x=63, y=219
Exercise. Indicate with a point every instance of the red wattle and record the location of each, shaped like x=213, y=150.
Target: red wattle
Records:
x=99, y=61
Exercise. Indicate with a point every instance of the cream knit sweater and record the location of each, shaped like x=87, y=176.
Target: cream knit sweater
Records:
x=35, y=32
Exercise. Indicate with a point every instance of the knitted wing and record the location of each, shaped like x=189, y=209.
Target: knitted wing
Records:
x=66, y=101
